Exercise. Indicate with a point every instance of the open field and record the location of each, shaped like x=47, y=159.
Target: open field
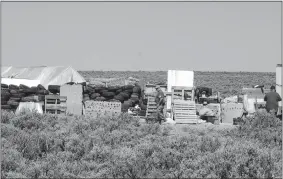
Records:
x=227, y=83
x=42, y=146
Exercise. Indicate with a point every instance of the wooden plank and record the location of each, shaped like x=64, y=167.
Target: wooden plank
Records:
x=54, y=106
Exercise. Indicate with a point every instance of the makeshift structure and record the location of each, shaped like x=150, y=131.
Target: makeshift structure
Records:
x=57, y=75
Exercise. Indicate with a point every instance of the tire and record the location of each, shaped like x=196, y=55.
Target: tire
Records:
x=4, y=102
x=6, y=107
x=19, y=95
x=100, y=99
x=28, y=99
x=5, y=97
x=4, y=86
x=14, y=87
x=119, y=91
x=42, y=92
x=125, y=95
x=119, y=98
x=137, y=90
x=135, y=96
x=86, y=99
x=54, y=89
x=13, y=91
x=13, y=103
x=99, y=89
x=23, y=86
x=86, y=95
x=40, y=87
x=130, y=91
x=15, y=99
x=108, y=94
x=70, y=83
x=125, y=106
x=41, y=97
x=89, y=89
x=94, y=95
x=128, y=87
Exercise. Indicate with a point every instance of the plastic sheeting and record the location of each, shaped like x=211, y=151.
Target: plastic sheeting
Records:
x=12, y=81
x=178, y=78
x=46, y=75
x=29, y=106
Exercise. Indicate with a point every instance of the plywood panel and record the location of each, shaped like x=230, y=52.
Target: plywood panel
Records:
x=93, y=108
x=74, y=94
x=230, y=111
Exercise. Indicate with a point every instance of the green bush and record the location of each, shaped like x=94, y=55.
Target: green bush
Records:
x=50, y=146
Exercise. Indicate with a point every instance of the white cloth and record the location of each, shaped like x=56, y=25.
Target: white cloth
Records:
x=29, y=106
x=169, y=121
x=205, y=111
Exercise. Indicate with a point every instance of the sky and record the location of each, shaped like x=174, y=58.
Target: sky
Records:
x=198, y=36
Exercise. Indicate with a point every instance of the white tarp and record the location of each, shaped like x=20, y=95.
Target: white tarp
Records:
x=29, y=106
x=12, y=81
x=178, y=78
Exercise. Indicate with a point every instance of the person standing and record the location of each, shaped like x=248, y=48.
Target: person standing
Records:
x=272, y=98
x=160, y=103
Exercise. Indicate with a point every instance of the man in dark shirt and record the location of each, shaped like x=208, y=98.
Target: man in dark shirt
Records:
x=160, y=103
x=272, y=98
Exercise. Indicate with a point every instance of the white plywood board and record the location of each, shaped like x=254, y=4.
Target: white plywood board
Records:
x=74, y=94
x=178, y=78
x=279, y=82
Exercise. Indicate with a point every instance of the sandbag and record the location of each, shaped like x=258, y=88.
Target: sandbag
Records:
x=6, y=107
x=4, y=86
x=14, y=87
x=54, y=89
x=108, y=94
x=40, y=87
x=94, y=95
x=23, y=86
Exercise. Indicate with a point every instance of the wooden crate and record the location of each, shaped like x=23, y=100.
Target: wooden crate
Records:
x=94, y=108
x=55, y=104
x=185, y=112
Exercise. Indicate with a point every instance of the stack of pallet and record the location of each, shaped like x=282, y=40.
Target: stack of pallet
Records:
x=12, y=95
x=185, y=112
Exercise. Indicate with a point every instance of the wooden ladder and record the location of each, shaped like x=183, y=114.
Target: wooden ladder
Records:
x=151, y=107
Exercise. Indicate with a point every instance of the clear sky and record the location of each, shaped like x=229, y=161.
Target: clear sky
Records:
x=200, y=36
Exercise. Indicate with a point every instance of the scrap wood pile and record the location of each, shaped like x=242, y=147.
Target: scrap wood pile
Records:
x=12, y=95
x=128, y=95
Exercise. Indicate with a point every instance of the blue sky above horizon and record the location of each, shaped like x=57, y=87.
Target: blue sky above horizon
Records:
x=121, y=36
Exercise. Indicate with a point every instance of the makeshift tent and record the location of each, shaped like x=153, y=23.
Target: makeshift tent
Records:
x=46, y=75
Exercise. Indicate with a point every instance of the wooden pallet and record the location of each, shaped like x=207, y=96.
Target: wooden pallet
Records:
x=185, y=112
x=55, y=104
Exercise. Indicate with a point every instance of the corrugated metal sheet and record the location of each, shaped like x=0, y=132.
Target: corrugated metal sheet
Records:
x=46, y=75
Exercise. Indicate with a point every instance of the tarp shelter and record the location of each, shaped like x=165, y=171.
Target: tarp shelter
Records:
x=46, y=75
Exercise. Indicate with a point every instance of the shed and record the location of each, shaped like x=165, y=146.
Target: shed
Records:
x=57, y=75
